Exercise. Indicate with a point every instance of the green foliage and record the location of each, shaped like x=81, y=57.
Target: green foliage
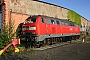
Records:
x=78, y=52
x=7, y=34
x=74, y=17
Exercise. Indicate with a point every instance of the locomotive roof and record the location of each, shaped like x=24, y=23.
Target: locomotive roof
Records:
x=64, y=20
x=47, y=17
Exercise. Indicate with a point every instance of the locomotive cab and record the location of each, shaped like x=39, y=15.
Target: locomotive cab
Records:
x=29, y=29
x=33, y=29
x=35, y=25
x=29, y=26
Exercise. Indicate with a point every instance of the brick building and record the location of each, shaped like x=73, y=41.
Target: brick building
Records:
x=19, y=10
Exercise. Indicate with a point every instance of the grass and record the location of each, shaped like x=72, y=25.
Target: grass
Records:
x=86, y=40
x=78, y=52
x=33, y=52
x=47, y=56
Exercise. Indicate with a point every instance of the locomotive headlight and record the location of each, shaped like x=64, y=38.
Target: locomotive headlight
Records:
x=32, y=28
x=70, y=28
x=23, y=29
x=33, y=32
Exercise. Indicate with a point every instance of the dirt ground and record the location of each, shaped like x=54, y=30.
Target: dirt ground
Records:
x=76, y=51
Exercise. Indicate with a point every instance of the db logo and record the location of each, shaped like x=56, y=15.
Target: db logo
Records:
x=70, y=28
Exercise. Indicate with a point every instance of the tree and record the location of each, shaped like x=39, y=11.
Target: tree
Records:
x=7, y=34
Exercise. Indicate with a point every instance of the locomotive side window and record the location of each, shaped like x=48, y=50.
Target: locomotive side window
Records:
x=62, y=23
x=58, y=22
x=66, y=23
x=48, y=21
x=75, y=25
x=52, y=21
x=42, y=20
x=71, y=24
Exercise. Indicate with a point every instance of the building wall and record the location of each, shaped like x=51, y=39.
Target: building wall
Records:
x=8, y=15
x=18, y=18
x=37, y=8
x=85, y=25
x=89, y=27
x=19, y=10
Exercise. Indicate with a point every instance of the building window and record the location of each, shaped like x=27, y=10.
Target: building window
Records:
x=0, y=8
x=0, y=18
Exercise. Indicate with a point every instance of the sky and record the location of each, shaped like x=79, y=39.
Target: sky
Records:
x=82, y=7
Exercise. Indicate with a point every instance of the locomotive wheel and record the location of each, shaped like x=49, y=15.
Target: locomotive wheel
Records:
x=61, y=40
x=58, y=40
x=28, y=43
x=44, y=41
x=38, y=44
x=47, y=41
x=72, y=38
x=64, y=39
x=41, y=43
x=53, y=41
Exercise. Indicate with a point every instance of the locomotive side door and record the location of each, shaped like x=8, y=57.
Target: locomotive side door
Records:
x=48, y=26
x=43, y=26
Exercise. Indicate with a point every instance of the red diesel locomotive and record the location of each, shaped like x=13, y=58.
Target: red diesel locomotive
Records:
x=40, y=30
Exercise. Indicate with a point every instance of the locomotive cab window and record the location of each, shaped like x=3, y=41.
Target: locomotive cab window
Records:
x=52, y=21
x=42, y=20
x=30, y=20
x=33, y=20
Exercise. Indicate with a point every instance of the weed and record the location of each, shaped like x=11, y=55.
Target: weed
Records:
x=47, y=57
x=52, y=52
x=67, y=50
x=78, y=52
x=33, y=52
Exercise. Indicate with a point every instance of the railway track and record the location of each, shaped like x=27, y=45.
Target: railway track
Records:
x=52, y=46
x=56, y=45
